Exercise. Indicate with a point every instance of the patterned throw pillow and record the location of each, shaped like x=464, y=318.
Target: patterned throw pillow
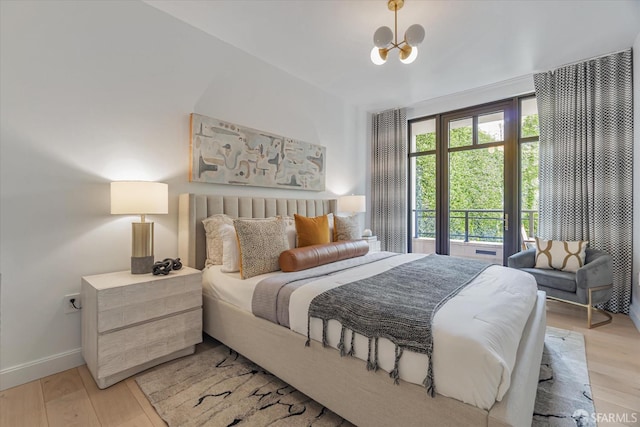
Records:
x=290, y=230
x=214, y=237
x=289, y=221
x=261, y=242
x=346, y=228
x=560, y=255
x=312, y=230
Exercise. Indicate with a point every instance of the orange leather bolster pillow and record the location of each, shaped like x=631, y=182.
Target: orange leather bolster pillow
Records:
x=312, y=256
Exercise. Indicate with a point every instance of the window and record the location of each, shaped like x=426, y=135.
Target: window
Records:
x=461, y=132
x=491, y=127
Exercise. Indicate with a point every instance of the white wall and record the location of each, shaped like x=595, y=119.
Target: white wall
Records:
x=634, y=311
x=98, y=91
x=469, y=98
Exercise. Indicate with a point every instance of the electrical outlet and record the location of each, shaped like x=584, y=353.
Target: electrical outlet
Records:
x=69, y=305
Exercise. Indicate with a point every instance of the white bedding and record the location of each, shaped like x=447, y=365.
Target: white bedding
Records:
x=476, y=334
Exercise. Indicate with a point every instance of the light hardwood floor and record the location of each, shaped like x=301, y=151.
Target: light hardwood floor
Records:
x=71, y=398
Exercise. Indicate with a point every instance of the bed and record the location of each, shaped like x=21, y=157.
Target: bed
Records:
x=342, y=384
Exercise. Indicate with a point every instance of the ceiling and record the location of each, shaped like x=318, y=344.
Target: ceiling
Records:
x=468, y=44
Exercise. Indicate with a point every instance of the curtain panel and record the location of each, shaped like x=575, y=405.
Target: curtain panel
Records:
x=586, y=153
x=389, y=158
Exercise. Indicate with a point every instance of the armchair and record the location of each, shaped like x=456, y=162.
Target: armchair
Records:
x=589, y=285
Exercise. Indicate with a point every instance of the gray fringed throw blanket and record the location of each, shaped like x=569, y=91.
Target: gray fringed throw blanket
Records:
x=398, y=304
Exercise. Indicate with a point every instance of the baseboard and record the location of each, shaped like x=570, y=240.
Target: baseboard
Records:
x=30, y=371
x=634, y=313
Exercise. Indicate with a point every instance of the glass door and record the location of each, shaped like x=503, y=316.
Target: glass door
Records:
x=478, y=170
x=464, y=182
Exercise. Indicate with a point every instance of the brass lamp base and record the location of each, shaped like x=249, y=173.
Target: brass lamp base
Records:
x=141, y=265
x=142, y=247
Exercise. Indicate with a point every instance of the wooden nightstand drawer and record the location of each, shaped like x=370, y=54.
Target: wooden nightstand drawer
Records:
x=125, y=299
x=133, y=346
x=159, y=288
x=154, y=308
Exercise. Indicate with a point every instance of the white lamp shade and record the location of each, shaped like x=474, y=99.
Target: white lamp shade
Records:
x=352, y=204
x=382, y=37
x=412, y=56
x=139, y=198
x=414, y=35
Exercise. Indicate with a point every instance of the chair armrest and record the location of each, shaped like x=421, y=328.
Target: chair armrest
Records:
x=524, y=259
x=598, y=272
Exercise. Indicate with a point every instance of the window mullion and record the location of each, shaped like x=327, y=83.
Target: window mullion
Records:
x=474, y=130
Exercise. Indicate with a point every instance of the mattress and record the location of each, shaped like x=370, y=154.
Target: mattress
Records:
x=476, y=333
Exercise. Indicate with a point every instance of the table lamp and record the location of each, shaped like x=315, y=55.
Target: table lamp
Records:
x=140, y=198
x=352, y=204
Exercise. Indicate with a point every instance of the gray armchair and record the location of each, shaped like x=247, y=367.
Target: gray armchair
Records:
x=591, y=284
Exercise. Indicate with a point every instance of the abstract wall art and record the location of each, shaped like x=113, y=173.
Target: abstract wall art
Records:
x=226, y=153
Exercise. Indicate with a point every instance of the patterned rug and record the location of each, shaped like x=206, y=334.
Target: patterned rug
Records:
x=564, y=393
x=218, y=387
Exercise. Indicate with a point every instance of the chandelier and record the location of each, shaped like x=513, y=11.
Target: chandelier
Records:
x=385, y=40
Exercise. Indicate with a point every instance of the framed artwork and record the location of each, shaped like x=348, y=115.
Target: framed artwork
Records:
x=226, y=153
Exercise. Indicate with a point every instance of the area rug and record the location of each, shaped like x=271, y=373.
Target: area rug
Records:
x=564, y=393
x=218, y=387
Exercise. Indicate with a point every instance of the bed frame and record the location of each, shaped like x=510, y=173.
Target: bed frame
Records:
x=342, y=384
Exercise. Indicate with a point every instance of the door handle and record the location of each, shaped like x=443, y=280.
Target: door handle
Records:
x=506, y=222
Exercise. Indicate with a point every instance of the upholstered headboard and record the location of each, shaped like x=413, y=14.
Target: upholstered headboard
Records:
x=193, y=208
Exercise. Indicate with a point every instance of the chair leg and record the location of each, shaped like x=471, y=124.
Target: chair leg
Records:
x=595, y=325
x=590, y=309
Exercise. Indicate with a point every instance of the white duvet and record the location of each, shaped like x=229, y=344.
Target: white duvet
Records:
x=475, y=334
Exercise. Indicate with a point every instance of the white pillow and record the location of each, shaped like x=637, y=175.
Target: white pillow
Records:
x=230, y=250
x=292, y=236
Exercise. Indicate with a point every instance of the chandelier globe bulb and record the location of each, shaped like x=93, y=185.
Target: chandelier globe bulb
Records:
x=408, y=54
x=382, y=37
x=378, y=56
x=414, y=35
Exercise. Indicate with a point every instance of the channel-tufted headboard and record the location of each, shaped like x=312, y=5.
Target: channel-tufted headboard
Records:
x=193, y=208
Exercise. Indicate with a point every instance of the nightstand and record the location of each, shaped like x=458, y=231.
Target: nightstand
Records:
x=374, y=243
x=131, y=322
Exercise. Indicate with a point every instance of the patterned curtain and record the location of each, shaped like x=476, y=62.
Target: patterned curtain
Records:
x=586, y=154
x=389, y=157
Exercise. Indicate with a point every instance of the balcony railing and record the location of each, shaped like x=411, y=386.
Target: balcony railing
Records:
x=483, y=225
